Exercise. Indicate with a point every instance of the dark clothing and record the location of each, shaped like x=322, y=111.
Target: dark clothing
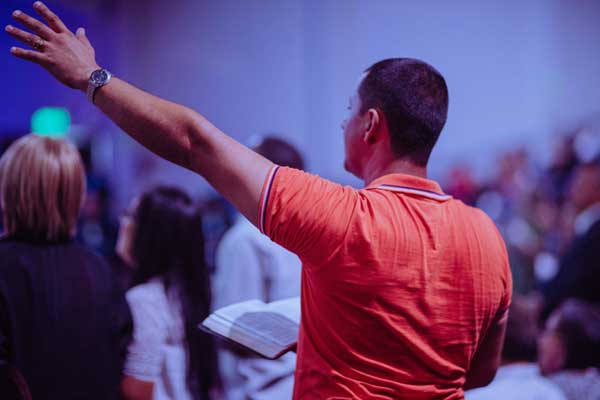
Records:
x=579, y=272
x=64, y=323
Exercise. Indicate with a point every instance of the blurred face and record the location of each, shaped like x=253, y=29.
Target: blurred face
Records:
x=354, y=129
x=585, y=187
x=551, y=349
x=124, y=247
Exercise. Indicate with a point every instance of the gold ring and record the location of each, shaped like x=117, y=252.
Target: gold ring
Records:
x=38, y=44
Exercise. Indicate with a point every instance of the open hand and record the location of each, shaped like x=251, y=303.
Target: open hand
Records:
x=69, y=57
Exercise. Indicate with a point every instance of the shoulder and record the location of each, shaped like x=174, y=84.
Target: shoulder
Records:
x=9, y=256
x=8, y=247
x=15, y=252
x=150, y=292
x=149, y=307
x=305, y=184
x=83, y=252
x=478, y=219
x=75, y=255
x=474, y=213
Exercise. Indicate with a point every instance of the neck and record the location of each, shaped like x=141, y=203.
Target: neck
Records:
x=374, y=170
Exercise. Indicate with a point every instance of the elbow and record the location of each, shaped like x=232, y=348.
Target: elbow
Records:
x=195, y=142
x=480, y=377
x=488, y=377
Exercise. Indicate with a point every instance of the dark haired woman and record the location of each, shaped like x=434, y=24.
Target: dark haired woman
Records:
x=169, y=358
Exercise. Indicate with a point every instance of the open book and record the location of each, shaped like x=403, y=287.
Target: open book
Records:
x=267, y=329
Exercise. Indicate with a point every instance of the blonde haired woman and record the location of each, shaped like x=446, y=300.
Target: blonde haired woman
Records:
x=63, y=324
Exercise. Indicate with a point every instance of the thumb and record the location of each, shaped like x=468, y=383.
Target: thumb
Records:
x=80, y=33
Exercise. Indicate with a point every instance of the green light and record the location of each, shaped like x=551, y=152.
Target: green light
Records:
x=51, y=121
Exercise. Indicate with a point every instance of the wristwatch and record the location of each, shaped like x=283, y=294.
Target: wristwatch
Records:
x=98, y=78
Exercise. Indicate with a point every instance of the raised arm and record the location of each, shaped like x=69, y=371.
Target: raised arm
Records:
x=170, y=130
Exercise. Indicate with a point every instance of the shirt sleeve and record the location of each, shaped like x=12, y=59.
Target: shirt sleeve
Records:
x=306, y=214
x=506, y=279
x=149, y=335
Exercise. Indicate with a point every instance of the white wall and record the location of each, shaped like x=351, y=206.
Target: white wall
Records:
x=515, y=70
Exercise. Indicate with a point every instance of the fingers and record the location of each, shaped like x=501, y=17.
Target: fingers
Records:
x=29, y=55
x=82, y=37
x=28, y=38
x=55, y=23
x=33, y=24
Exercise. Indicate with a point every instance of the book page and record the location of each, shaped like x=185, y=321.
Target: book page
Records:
x=290, y=308
x=234, y=311
x=269, y=329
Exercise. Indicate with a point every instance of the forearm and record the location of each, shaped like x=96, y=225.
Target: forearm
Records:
x=186, y=138
x=161, y=126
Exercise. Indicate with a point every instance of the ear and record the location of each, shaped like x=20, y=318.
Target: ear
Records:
x=372, y=122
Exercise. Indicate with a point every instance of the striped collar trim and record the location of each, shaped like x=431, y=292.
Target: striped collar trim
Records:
x=410, y=184
x=418, y=192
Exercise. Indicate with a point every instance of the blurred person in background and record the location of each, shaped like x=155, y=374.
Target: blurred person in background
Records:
x=555, y=180
x=63, y=322
x=251, y=266
x=96, y=228
x=578, y=272
x=161, y=239
x=461, y=184
x=569, y=349
x=519, y=378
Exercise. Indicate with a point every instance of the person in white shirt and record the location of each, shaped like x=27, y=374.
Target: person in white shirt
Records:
x=169, y=357
x=250, y=266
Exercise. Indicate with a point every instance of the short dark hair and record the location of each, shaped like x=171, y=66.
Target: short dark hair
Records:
x=413, y=97
x=579, y=329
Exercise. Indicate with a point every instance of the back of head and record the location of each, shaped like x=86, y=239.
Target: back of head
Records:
x=413, y=97
x=42, y=186
x=168, y=237
x=280, y=152
x=571, y=338
x=168, y=243
x=578, y=327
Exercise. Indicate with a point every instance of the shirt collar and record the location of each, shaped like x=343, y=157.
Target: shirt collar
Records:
x=410, y=184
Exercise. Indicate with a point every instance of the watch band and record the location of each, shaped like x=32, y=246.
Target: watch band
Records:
x=90, y=92
x=98, y=78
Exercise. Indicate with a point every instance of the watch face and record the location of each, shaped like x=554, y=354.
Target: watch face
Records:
x=99, y=77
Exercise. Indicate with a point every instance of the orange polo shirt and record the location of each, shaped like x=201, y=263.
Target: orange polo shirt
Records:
x=399, y=284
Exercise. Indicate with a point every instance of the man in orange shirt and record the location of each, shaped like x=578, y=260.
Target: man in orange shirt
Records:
x=404, y=290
